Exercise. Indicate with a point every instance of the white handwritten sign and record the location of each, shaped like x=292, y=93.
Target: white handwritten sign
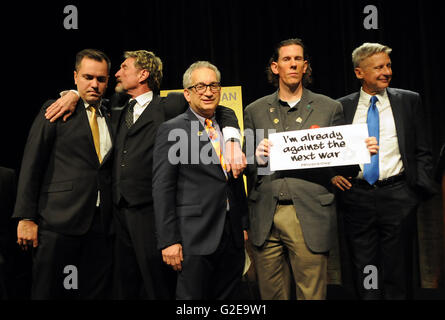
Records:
x=321, y=147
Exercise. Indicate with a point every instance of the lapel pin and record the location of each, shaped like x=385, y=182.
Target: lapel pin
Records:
x=276, y=120
x=272, y=109
x=299, y=120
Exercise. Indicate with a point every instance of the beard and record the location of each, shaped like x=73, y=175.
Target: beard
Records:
x=119, y=88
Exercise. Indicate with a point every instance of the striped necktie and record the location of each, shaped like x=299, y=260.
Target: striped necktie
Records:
x=129, y=117
x=214, y=138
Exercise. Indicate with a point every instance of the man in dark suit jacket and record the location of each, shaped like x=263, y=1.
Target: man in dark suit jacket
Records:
x=64, y=192
x=136, y=116
x=199, y=208
x=379, y=215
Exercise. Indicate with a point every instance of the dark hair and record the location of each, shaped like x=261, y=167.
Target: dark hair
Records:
x=273, y=78
x=92, y=54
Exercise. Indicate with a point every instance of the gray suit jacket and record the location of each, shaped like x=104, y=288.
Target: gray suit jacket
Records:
x=309, y=188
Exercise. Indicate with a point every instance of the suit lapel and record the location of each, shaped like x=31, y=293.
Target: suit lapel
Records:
x=107, y=116
x=397, y=112
x=199, y=131
x=273, y=112
x=146, y=117
x=350, y=108
x=85, y=126
x=304, y=109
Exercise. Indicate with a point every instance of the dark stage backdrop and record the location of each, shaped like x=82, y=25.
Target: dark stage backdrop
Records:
x=238, y=36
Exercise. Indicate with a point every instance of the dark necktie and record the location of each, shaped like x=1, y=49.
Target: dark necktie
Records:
x=129, y=118
x=371, y=170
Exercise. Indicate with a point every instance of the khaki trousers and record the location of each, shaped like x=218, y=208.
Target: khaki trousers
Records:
x=284, y=252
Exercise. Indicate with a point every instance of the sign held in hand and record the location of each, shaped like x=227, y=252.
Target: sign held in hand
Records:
x=321, y=147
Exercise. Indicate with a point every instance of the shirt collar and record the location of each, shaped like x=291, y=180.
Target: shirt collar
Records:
x=365, y=97
x=144, y=98
x=201, y=118
x=98, y=109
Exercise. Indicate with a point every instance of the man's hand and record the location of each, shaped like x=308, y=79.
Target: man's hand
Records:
x=341, y=183
x=371, y=143
x=262, y=152
x=27, y=234
x=235, y=158
x=64, y=106
x=172, y=256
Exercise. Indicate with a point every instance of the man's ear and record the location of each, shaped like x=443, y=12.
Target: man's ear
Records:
x=274, y=67
x=358, y=73
x=187, y=95
x=144, y=75
x=75, y=77
x=305, y=66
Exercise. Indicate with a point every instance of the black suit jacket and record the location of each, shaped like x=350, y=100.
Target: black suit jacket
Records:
x=190, y=195
x=413, y=138
x=132, y=173
x=60, y=175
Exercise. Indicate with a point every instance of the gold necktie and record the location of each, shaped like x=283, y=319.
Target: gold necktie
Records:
x=95, y=130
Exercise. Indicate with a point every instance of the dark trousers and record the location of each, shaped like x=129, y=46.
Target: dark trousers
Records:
x=72, y=267
x=379, y=224
x=212, y=277
x=139, y=272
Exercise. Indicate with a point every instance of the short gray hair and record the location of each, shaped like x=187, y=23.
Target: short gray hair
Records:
x=187, y=78
x=366, y=50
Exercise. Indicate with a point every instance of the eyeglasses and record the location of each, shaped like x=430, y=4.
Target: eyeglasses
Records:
x=201, y=88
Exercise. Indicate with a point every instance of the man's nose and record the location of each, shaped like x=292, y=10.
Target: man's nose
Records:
x=208, y=91
x=94, y=83
x=387, y=71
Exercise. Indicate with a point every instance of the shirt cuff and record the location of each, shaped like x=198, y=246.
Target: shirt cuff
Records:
x=231, y=133
x=66, y=91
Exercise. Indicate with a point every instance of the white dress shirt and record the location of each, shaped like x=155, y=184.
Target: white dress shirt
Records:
x=142, y=102
x=104, y=137
x=390, y=161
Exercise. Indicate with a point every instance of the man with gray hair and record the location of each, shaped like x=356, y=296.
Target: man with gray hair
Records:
x=380, y=202
x=138, y=268
x=200, y=210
